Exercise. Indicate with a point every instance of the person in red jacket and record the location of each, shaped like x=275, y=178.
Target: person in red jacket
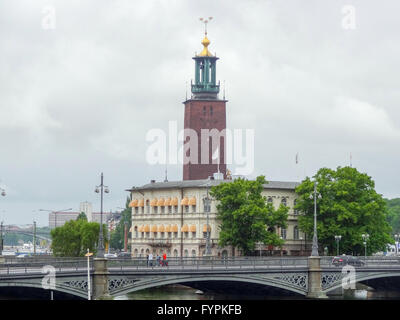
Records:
x=165, y=263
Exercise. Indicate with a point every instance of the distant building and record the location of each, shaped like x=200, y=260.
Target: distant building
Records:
x=87, y=209
x=58, y=219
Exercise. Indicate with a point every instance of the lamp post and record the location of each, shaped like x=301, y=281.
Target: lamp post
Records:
x=100, y=247
x=314, y=252
x=301, y=246
x=88, y=255
x=207, y=209
x=365, y=239
x=396, y=242
x=338, y=238
x=55, y=214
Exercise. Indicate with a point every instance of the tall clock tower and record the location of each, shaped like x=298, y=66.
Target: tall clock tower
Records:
x=204, y=110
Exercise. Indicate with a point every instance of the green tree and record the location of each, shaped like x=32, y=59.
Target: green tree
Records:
x=349, y=206
x=117, y=238
x=82, y=215
x=394, y=214
x=75, y=237
x=245, y=216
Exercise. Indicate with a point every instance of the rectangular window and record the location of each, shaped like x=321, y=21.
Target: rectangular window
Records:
x=169, y=209
x=186, y=209
x=162, y=209
x=194, y=209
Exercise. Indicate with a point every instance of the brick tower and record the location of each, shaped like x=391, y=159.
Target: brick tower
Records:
x=204, y=110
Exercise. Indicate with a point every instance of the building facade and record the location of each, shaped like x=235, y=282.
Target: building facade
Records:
x=170, y=217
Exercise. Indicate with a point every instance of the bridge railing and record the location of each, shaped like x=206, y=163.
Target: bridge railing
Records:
x=369, y=261
x=217, y=263
x=25, y=266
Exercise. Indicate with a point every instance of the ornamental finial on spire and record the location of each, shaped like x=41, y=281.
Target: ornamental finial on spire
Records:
x=205, y=42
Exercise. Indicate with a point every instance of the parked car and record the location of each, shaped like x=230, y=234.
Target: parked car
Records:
x=110, y=255
x=125, y=255
x=347, y=260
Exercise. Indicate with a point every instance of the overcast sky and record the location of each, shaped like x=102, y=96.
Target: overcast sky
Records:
x=78, y=99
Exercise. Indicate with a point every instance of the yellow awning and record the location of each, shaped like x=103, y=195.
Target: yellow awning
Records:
x=168, y=228
x=141, y=203
x=192, y=201
x=146, y=228
x=154, y=228
x=185, y=228
x=140, y=229
x=161, y=228
x=174, y=201
x=205, y=228
x=153, y=202
x=133, y=203
x=167, y=202
x=175, y=228
x=193, y=228
x=185, y=201
x=160, y=202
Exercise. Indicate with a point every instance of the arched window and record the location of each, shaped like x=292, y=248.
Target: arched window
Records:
x=193, y=253
x=283, y=233
x=204, y=110
x=186, y=253
x=269, y=200
x=136, y=231
x=175, y=253
x=296, y=233
x=284, y=202
x=295, y=211
x=147, y=206
x=211, y=110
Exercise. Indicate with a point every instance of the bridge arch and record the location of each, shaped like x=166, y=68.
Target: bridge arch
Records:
x=37, y=285
x=152, y=283
x=369, y=276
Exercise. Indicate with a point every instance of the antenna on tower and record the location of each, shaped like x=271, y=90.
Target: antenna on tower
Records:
x=224, y=89
x=186, y=91
x=205, y=21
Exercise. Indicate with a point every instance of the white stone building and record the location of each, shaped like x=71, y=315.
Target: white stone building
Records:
x=169, y=217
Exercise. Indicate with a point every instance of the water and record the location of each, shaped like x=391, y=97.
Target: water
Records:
x=179, y=292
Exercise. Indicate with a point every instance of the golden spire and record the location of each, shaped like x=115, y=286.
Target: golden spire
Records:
x=205, y=42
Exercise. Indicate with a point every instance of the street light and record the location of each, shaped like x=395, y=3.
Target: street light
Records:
x=365, y=238
x=396, y=238
x=55, y=214
x=338, y=238
x=207, y=209
x=100, y=189
x=314, y=251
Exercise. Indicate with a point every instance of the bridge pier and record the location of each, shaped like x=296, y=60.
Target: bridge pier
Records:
x=100, y=279
x=314, y=278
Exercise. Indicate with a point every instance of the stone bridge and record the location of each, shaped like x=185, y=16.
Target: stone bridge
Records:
x=313, y=277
